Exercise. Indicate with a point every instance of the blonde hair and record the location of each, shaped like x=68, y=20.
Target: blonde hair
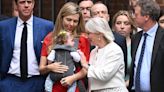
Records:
x=69, y=8
x=100, y=25
x=130, y=18
x=62, y=37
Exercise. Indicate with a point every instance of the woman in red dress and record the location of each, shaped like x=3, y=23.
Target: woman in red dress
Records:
x=70, y=19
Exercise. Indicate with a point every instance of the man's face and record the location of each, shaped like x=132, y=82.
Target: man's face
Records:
x=100, y=10
x=85, y=7
x=25, y=8
x=140, y=20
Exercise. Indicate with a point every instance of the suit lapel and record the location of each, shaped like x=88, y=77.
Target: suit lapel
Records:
x=12, y=28
x=135, y=46
x=136, y=43
x=159, y=35
x=36, y=29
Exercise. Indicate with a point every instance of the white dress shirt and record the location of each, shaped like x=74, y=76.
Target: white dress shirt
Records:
x=146, y=62
x=33, y=68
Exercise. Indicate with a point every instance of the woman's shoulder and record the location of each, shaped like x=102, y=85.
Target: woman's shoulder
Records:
x=48, y=38
x=113, y=44
x=114, y=47
x=83, y=37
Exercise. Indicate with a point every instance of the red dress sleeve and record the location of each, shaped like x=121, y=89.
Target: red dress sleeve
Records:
x=46, y=43
x=84, y=46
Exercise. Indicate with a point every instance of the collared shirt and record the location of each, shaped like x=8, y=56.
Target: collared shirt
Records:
x=32, y=61
x=146, y=62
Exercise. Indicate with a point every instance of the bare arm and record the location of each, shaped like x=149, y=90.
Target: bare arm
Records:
x=81, y=74
x=70, y=79
x=43, y=65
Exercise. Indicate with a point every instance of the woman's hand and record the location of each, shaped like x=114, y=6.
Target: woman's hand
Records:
x=84, y=62
x=67, y=81
x=83, y=58
x=57, y=67
x=54, y=67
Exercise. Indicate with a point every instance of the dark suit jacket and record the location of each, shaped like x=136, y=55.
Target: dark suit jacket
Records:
x=121, y=41
x=157, y=61
x=41, y=28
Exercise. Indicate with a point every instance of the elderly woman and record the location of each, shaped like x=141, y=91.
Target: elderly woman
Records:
x=106, y=65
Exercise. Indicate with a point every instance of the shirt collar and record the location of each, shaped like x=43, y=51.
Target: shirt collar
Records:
x=151, y=32
x=20, y=21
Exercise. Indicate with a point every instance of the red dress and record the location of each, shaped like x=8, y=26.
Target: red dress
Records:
x=84, y=46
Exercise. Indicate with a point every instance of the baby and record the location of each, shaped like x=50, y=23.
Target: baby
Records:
x=64, y=52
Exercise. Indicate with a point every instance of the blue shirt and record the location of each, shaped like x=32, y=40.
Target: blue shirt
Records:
x=146, y=63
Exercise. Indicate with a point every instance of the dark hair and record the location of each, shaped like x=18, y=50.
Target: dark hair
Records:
x=161, y=13
x=149, y=7
x=79, y=1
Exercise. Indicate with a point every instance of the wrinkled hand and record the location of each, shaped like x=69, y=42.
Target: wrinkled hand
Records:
x=67, y=81
x=58, y=67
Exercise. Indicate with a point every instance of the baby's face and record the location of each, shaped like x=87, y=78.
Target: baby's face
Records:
x=70, y=41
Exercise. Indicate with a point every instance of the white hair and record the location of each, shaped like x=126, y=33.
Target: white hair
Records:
x=97, y=24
